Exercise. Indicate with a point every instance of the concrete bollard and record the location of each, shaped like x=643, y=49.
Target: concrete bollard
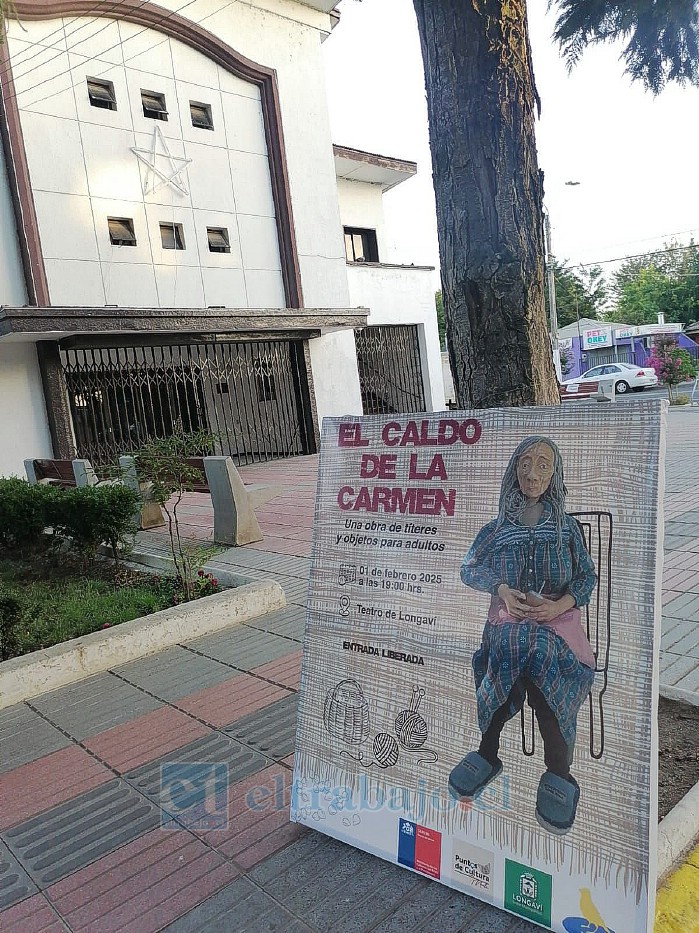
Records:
x=150, y=515
x=605, y=391
x=235, y=521
x=84, y=473
x=30, y=471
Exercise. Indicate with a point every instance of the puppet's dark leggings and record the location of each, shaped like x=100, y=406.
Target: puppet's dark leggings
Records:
x=557, y=755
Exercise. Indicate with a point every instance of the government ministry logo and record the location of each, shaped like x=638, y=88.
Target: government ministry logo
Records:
x=528, y=892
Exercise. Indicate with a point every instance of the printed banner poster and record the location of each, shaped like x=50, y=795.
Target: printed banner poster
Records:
x=479, y=682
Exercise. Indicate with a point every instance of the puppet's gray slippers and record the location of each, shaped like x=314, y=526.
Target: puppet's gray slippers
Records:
x=557, y=803
x=472, y=774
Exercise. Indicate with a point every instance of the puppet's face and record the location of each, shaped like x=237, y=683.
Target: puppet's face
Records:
x=534, y=470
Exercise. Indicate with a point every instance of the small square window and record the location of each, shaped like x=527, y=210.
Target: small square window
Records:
x=153, y=105
x=121, y=231
x=172, y=236
x=201, y=115
x=101, y=94
x=361, y=245
x=218, y=240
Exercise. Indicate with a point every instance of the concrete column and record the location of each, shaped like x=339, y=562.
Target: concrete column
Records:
x=235, y=521
x=150, y=515
x=84, y=474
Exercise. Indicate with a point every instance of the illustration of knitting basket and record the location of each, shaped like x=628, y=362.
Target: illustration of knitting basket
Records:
x=346, y=713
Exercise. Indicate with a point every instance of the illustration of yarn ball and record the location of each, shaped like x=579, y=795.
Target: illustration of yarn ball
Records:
x=411, y=729
x=385, y=750
x=346, y=713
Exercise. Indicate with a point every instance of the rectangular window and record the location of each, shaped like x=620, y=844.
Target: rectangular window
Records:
x=101, y=94
x=153, y=105
x=218, y=240
x=201, y=115
x=172, y=236
x=361, y=245
x=121, y=231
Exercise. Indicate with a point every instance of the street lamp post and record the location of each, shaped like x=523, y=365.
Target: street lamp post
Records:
x=552, y=298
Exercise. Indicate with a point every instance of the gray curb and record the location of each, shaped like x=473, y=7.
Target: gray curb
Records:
x=679, y=695
x=41, y=671
x=678, y=832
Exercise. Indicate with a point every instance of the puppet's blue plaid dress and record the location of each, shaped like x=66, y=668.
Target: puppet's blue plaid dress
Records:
x=530, y=559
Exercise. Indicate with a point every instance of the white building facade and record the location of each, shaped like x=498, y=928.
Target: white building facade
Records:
x=172, y=252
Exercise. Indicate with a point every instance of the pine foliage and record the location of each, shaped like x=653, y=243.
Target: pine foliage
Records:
x=661, y=36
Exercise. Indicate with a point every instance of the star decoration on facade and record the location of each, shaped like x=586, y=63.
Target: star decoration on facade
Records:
x=162, y=168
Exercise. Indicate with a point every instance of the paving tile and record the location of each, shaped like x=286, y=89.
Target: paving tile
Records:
x=243, y=647
x=144, y=885
x=68, y=837
x=418, y=910
x=94, y=705
x=674, y=667
x=33, y=915
x=289, y=566
x=687, y=645
x=241, y=906
x=34, y=787
x=175, y=673
x=674, y=630
x=689, y=681
x=258, y=823
x=233, y=700
x=15, y=883
x=151, y=736
x=214, y=749
x=290, y=622
x=270, y=731
x=26, y=736
x=285, y=671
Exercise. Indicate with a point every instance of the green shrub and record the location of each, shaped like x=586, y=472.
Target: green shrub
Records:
x=24, y=513
x=88, y=516
x=10, y=619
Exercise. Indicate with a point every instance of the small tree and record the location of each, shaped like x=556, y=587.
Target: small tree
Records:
x=671, y=364
x=164, y=463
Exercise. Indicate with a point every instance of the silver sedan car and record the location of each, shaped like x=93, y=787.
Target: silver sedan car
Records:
x=625, y=377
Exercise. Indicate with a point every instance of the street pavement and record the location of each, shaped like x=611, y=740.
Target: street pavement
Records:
x=92, y=836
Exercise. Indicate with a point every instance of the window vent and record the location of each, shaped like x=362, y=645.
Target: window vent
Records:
x=218, y=240
x=101, y=94
x=121, y=231
x=153, y=105
x=172, y=236
x=201, y=115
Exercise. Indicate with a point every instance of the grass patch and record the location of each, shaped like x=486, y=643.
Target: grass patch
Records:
x=45, y=603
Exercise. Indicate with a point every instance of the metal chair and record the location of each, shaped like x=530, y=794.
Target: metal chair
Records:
x=597, y=529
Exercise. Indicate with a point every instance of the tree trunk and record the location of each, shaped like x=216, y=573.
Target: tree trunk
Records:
x=489, y=191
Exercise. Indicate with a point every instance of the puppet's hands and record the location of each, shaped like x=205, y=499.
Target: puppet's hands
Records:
x=514, y=601
x=550, y=609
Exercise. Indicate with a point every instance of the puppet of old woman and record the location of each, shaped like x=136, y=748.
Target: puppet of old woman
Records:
x=533, y=562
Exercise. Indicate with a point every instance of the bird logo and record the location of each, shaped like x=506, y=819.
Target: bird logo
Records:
x=590, y=921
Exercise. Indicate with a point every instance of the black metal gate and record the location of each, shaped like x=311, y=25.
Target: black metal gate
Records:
x=252, y=395
x=390, y=373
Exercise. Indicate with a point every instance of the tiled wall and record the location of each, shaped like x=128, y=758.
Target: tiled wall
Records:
x=87, y=172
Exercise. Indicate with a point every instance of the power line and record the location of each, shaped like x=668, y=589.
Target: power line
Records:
x=655, y=252
x=120, y=43
x=45, y=44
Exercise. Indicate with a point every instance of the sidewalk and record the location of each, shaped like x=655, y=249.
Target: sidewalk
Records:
x=86, y=831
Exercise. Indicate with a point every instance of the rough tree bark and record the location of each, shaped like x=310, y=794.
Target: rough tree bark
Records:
x=481, y=102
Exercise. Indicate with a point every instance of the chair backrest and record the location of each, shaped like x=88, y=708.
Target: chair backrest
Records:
x=57, y=472
x=199, y=485
x=597, y=528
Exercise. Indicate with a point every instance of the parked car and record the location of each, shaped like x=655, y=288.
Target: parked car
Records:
x=625, y=377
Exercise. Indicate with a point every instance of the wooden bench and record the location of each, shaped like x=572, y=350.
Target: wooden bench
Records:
x=235, y=522
x=67, y=474
x=578, y=390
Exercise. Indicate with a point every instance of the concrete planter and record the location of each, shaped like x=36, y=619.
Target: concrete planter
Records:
x=40, y=671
